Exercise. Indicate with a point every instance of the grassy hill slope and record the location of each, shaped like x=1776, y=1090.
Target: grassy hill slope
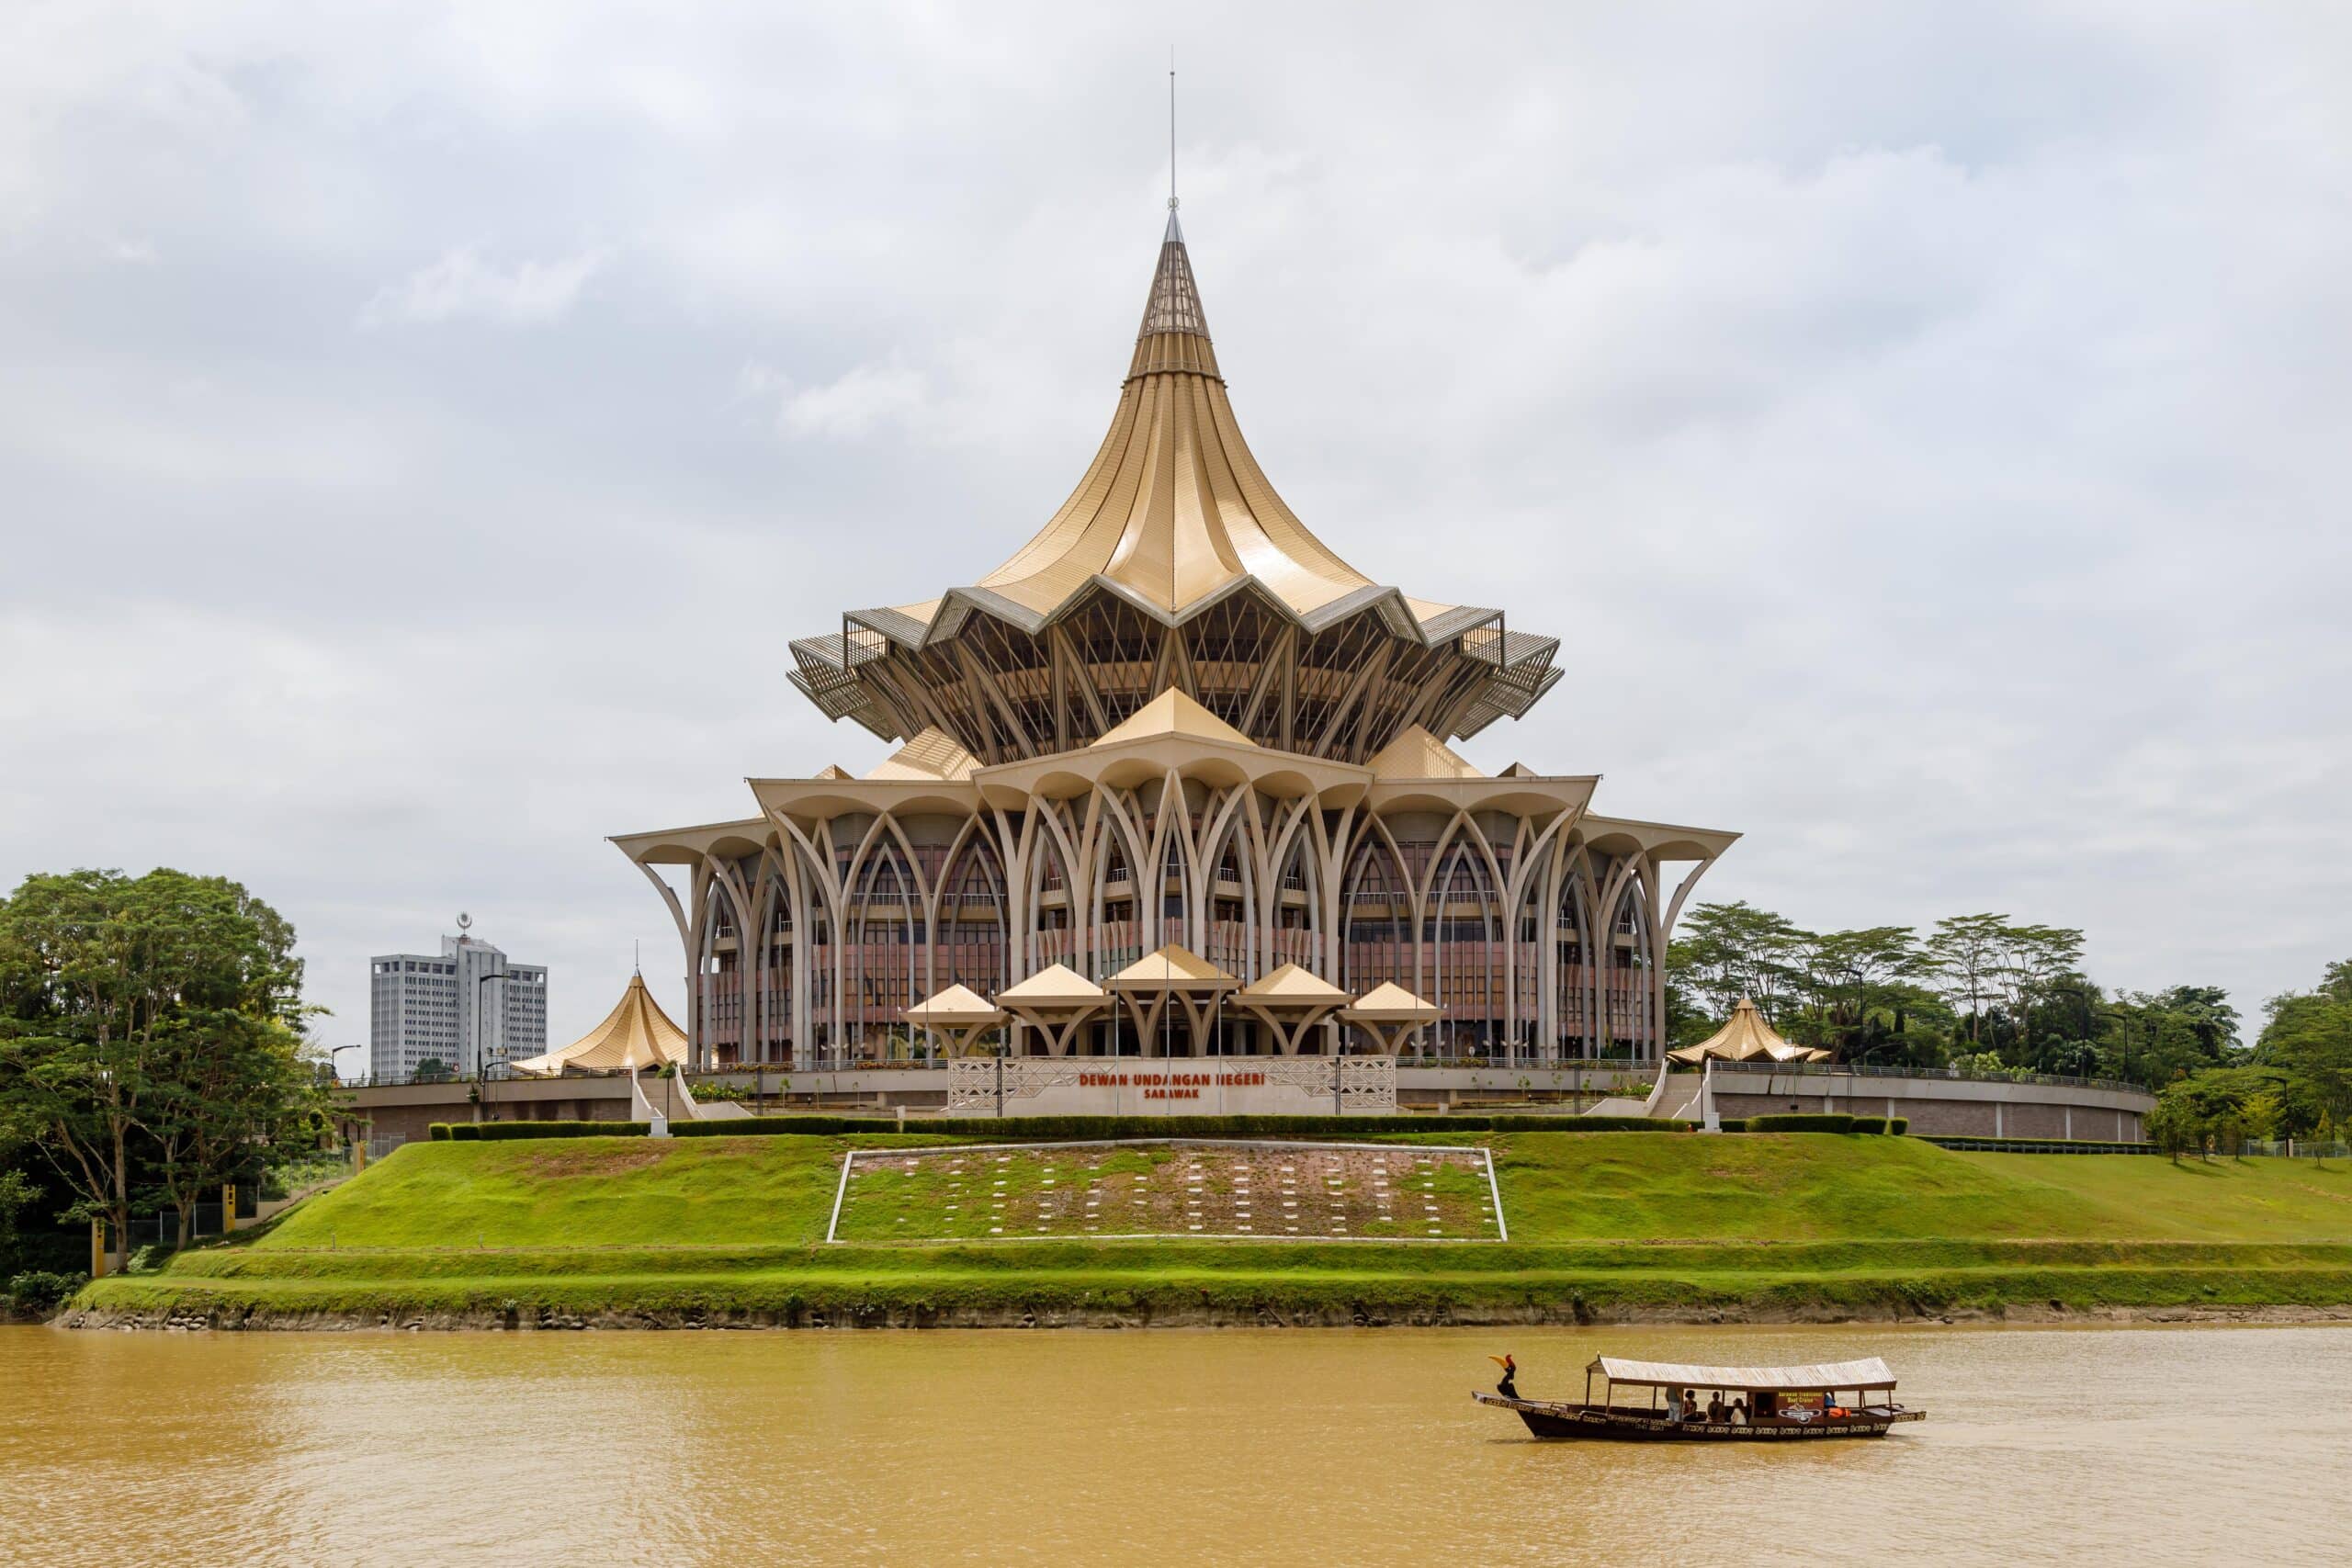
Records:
x=1602, y=1224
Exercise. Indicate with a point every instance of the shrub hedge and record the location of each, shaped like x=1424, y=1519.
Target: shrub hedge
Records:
x=2035, y=1145
x=1813, y=1122
x=1899, y=1125
x=507, y=1132
x=502, y=1132
x=1018, y=1129
x=1870, y=1124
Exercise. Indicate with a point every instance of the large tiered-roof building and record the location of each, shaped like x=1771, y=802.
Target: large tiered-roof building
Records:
x=1175, y=717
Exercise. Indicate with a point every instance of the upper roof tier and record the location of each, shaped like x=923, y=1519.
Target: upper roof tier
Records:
x=1174, y=512
x=1173, y=564
x=1174, y=509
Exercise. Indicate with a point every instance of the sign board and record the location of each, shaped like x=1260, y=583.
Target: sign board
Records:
x=1178, y=1086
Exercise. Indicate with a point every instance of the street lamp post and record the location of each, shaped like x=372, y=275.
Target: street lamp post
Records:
x=481, y=1049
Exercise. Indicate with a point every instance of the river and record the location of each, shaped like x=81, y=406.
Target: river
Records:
x=2151, y=1445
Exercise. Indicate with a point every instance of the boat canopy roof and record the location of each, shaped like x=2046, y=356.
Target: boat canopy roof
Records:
x=1819, y=1378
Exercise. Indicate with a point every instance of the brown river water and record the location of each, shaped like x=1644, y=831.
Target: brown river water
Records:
x=2136, y=1445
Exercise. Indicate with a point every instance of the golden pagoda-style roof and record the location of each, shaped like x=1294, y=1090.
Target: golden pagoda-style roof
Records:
x=1175, y=524
x=1174, y=511
x=1746, y=1037
x=635, y=1035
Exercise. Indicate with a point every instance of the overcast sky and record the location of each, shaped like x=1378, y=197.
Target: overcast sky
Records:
x=421, y=430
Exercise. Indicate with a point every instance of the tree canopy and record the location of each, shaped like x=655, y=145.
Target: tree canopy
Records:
x=149, y=1034
x=1983, y=990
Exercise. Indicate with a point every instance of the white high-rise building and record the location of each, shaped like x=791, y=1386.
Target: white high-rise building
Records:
x=426, y=1008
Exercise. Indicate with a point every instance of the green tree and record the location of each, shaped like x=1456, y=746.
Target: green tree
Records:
x=235, y=1084
x=1965, y=953
x=2175, y=1126
x=1730, y=951
x=101, y=978
x=17, y=1193
x=1856, y=973
x=2158, y=1037
x=2309, y=1041
x=2031, y=961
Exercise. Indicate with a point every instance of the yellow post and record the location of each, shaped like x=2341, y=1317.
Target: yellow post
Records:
x=97, y=1249
x=228, y=1208
x=359, y=1155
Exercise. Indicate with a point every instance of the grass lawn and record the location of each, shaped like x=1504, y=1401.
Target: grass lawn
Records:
x=1628, y=1223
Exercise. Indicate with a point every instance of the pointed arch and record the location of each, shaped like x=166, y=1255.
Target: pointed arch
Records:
x=1458, y=940
x=1376, y=938
x=887, y=937
x=1229, y=919
x=972, y=920
x=772, y=961
x=719, y=990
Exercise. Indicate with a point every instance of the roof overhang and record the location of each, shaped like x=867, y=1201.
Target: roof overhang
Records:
x=687, y=846
x=1659, y=841
x=1122, y=764
x=816, y=800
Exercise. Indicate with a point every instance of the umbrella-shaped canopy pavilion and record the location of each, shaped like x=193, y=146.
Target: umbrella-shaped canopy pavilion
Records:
x=635, y=1035
x=1746, y=1037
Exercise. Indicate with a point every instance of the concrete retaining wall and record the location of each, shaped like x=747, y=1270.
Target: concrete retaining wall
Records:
x=1977, y=1108
x=1973, y=1108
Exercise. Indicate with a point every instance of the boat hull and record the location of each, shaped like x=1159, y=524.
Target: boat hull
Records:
x=1556, y=1422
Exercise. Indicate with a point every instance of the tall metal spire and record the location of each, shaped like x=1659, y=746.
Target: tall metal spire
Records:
x=1171, y=142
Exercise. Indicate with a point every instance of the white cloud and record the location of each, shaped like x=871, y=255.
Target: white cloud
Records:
x=855, y=404
x=463, y=286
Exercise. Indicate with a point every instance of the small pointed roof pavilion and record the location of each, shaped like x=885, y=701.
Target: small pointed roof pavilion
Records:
x=1746, y=1037
x=1289, y=1001
x=957, y=1015
x=1172, y=974
x=635, y=1035
x=1055, y=1001
x=1391, y=1015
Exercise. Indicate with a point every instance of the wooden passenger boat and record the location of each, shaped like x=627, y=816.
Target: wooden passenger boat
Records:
x=1758, y=1404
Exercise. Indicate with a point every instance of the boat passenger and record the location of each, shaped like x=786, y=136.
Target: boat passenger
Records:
x=1739, y=1410
x=1509, y=1387
x=1715, y=1408
x=1689, y=1405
